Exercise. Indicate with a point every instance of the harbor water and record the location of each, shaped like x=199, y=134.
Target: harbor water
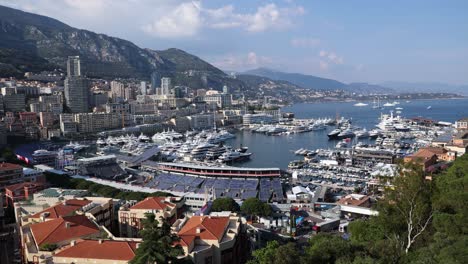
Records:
x=278, y=151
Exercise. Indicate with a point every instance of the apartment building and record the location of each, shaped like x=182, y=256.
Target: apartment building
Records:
x=131, y=216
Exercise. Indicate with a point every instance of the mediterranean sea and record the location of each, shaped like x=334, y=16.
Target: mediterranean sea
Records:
x=278, y=151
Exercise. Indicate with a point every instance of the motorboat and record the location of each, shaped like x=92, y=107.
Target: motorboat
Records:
x=362, y=133
x=360, y=104
x=215, y=152
x=233, y=156
x=348, y=133
x=143, y=138
x=334, y=133
x=199, y=152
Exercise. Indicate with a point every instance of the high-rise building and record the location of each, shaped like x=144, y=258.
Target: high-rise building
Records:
x=155, y=78
x=73, y=66
x=166, y=86
x=225, y=89
x=77, y=94
x=117, y=90
x=143, y=88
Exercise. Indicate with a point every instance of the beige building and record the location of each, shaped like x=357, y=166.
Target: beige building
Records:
x=131, y=216
x=96, y=122
x=212, y=239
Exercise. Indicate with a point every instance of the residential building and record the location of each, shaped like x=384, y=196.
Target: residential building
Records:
x=22, y=191
x=422, y=157
x=131, y=216
x=212, y=239
x=96, y=122
x=41, y=238
x=462, y=124
x=3, y=134
x=97, y=251
x=117, y=90
x=10, y=174
x=77, y=94
x=67, y=124
x=202, y=121
x=143, y=88
x=166, y=86
x=356, y=200
x=46, y=118
x=28, y=118
x=14, y=102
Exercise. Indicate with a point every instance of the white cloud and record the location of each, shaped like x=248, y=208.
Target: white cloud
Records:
x=305, y=42
x=329, y=58
x=266, y=17
x=183, y=21
x=242, y=61
x=161, y=18
x=323, y=65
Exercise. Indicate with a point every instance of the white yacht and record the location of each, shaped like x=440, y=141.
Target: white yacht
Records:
x=215, y=152
x=362, y=133
x=143, y=138
x=231, y=156
x=199, y=152
x=360, y=104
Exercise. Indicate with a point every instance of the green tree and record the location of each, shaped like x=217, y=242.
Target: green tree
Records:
x=266, y=254
x=225, y=204
x=255, y=207
x=158, y=243
x=328, y=248
x=451, y=214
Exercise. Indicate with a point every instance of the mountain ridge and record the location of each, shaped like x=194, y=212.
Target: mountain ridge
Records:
x=319, y=83
x=44, y=39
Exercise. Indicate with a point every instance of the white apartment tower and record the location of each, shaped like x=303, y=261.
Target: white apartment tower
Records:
x=166, y=86
x=77, y=95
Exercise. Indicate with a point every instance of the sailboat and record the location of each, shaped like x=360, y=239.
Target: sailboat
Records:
x=429, y=107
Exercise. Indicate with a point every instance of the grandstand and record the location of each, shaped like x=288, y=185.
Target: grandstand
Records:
x=235, y=188
x=104, y=167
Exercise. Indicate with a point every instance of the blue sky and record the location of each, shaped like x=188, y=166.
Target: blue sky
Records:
x=366, y=41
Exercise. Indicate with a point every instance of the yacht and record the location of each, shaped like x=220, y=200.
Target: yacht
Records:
x=342, y=144
x=215, y=152
x=317, y=126
x=199, y=152
x=388, y=104
x=334, y=133
x=276, y=130
x=362, y=133
x=348, y=133
x=143, y=138
x=100, y=142
x=374, y=133
x=76, y=146
x=360, y=104
x=232, y=156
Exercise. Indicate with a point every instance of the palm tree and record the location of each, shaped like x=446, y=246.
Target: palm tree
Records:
x=158, y=243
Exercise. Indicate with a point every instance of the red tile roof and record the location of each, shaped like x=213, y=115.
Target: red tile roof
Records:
x=156, y=203
x=20, y=186
x=107, y=249
x=63, y=209
x=211, y=228
x=9, y=166
x=56, y=230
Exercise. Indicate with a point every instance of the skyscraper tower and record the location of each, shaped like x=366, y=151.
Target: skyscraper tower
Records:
x=143, y=88
x=77, y=96
x=166, y=85
x=73, y=66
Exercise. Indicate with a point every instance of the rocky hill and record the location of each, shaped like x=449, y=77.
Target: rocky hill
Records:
x=30, y=42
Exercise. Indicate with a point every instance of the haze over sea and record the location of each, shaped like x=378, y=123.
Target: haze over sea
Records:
x=278, y=151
